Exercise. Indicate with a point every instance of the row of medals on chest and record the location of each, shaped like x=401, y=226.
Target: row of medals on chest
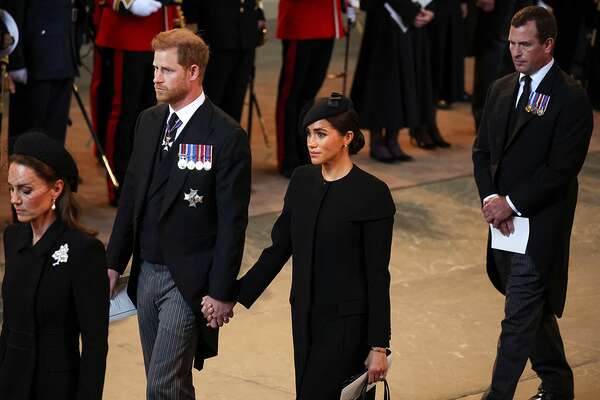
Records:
x=195, y=156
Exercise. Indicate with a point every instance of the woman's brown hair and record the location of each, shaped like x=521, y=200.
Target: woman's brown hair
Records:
x=67, y=208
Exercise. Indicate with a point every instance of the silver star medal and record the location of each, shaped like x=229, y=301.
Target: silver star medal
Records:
x=61, y=255
x=166, y=144
x=192, y=197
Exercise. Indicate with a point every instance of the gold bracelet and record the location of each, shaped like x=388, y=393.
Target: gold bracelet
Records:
x=379, y=349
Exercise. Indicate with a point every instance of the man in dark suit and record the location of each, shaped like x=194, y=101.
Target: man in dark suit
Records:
x=533, y=139
x=230, y=28
x=43, y=66
x=182, y=216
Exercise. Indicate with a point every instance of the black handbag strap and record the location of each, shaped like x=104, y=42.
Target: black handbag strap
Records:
x=386, y=391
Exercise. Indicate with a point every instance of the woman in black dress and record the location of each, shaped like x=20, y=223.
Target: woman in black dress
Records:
x=55, y=287
x=392, y=87
x=336, y=223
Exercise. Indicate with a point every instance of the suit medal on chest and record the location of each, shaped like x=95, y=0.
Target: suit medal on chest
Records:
x=182, y=163
x=195, y=156
x=537, y=103
x=208, y=156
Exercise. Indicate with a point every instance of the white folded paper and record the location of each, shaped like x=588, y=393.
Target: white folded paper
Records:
x=120, y=304
x=517, y=241
x=353, y=389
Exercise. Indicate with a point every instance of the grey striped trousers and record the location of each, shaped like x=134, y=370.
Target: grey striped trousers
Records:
x=169, y=334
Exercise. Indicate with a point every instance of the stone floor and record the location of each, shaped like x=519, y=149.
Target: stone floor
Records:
x=445, y=312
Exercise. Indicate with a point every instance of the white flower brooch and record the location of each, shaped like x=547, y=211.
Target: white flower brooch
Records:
x=61, y=255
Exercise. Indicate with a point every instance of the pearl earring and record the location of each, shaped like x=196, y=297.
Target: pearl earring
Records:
x=53, y=204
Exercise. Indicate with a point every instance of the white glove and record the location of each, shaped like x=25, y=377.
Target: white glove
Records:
x=351, y=14
x=19, y=75
x=143, y=8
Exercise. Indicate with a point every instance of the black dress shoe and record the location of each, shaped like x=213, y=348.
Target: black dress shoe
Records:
x=544, y=395
x=420, y=138
x=397, y=151
x=443, y=105
x=437, y=139
x=380, y=152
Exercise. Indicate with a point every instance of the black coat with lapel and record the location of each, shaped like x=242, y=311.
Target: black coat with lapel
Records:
x=202, y=245
x=48, y=305
x=366, y=220
x=536, y=165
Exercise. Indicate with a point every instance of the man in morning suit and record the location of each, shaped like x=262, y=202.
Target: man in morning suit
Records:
x=182, y=216
x=533, y=138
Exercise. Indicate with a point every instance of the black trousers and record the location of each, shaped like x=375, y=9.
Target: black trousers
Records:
x=226, y=80
x=303, y=71
x=529, y=331
x=41, y=105
x=121, y=88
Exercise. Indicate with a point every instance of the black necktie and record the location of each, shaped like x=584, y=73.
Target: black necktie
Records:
x=522, y=103
x=172, y=125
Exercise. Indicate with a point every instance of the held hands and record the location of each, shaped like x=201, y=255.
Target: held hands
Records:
x=143, y=8
x=497, y=212
x=217, y=313
x=423, y=18
x=377, y=366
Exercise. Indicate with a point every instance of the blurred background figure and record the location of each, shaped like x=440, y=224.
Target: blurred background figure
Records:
x=307, y=30
x=396, y=93
x=447, y=33
x=231, y=28
x=122, y=77
x=492, y=59
x=44, y=64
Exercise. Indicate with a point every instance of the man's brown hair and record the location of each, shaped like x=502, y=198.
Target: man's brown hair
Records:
x=544, y=21
x=191, y=49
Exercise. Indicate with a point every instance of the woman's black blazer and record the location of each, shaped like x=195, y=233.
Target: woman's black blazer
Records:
x=53, y=293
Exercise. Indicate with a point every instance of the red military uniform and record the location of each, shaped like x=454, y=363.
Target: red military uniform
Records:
x=309, y=19
x=129, y=32
x=122, y=78
x=307, y=29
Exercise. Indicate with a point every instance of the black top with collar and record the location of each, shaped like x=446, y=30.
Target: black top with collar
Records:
x=53, y=292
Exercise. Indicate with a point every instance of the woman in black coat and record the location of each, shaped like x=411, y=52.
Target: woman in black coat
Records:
x=392, y=87
x=336, y=223
x=55, y=287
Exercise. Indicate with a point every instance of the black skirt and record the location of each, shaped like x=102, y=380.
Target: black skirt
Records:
x=392, y=84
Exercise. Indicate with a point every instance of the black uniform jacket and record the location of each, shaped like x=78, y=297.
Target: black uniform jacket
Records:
x=365, y=225
x=202, y=245
x=226, y=25
x=48, y=303
x=537, y=166
x=48, y=41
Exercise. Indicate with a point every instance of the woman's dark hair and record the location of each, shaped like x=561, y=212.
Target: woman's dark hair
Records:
x=348, y=121
x=67, y=208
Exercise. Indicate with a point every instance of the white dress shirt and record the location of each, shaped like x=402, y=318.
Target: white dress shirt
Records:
x=185, y=113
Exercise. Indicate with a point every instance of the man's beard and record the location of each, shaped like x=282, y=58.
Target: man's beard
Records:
x=172, y=95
